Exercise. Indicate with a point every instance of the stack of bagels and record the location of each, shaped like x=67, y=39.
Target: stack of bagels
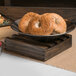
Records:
x=45, y=24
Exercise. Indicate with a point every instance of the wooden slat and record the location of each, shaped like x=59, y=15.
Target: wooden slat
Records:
x=58, y=48
x=23, y=52
x=23, y=44
x=17, y=12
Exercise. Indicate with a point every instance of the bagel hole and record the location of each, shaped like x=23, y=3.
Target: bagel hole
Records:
x=37, y=24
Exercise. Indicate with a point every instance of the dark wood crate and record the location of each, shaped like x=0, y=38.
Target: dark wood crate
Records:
x=41, y=50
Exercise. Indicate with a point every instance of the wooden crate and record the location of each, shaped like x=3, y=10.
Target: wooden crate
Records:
x=37, y=49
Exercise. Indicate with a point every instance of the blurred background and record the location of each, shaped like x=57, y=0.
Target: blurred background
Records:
x=39, y=3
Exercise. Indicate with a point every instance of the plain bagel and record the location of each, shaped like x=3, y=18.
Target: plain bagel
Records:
x=25, y=20
x=41, y=25
x=45, y=24
x=59, y=23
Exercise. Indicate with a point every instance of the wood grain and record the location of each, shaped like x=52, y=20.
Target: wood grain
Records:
x=17, y=12
x=35, y=50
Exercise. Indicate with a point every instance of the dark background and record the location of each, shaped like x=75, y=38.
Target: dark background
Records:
x=41, y=3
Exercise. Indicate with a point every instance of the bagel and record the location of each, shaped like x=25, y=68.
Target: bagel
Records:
x=25, y=20
x=45, y=24
x=59, y=23
x=41, y=25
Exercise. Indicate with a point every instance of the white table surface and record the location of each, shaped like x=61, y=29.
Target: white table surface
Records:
x=15, y=66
